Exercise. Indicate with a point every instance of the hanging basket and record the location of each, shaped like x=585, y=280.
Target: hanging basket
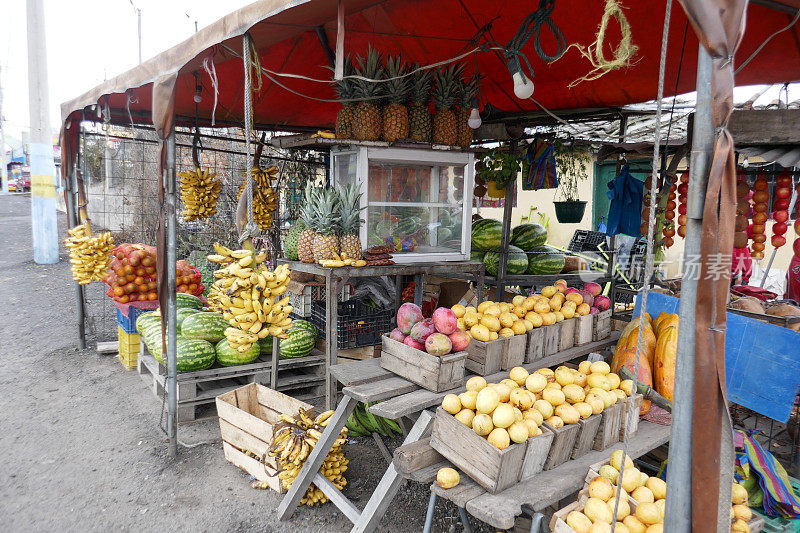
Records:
x=494, y=191
x=570, y=212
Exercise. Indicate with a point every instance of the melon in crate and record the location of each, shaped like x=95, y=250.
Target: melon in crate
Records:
x=300, y=341
x=228, y=356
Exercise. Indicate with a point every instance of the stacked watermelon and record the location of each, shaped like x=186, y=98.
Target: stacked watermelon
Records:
x=527, y=252
x=302, y=337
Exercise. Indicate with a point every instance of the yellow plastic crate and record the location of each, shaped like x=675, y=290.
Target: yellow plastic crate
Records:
x=129, y=346
x=129, y=361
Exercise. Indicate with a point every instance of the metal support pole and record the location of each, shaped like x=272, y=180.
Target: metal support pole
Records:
x=172, y=330
x=3, y=162
x=678, y=516
x=429, y=515
x=139, y=29
x=502, y=267
x=74, y=220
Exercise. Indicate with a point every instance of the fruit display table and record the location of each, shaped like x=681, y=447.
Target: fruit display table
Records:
x=366, y=381
x=336, y=277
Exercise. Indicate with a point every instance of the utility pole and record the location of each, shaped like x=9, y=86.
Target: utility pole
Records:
x=3, y=162
x=139, y=25
x=43, y=188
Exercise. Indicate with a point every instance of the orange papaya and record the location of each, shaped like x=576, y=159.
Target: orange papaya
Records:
x=667, y=321
x=627, y=358
x=665, y=359
x=630, y=338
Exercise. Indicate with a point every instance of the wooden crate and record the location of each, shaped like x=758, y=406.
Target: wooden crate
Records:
x=514, y=352
x=601, y=325
x=535, y=349
x=566, y=338
x=608, y=432
x=536, y=454
x=429, y=371
x=503, y=353
x=585, y=439
x=563, y=443
x=492, y=469
x=552, y=338
x=247, y=417
x=630, y=419
x=584, y=329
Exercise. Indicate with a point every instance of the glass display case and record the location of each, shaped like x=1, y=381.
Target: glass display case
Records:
x=417, y=201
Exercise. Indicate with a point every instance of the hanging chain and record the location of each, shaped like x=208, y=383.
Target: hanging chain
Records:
x=251, y=229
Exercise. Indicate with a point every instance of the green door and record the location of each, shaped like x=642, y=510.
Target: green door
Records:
x=604, y=173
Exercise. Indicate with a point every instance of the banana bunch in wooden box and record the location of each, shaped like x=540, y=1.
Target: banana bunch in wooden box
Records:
x=89, y=257
x=292, y=444
x=265, y=199
x=199, y=193
x=249, y=297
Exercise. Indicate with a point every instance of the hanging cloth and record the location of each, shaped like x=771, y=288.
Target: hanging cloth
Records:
x=625, y=211
x=539, y=166
x=779, y=497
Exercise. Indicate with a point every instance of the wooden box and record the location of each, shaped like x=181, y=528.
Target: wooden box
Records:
x=584, y=442
x=247, y=417
x=629, y=421
x=429, y=371
x=492, y=469
x=601, y=326
x=536, y=455
x=608, y=432
x=563, y=443
x=503, y=353
x=566, y=339
x=535, y=349
x=584, y=329
x=552, y=337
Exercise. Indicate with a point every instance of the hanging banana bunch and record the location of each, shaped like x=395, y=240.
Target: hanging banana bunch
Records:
x=265, y=199
x=89, y=257
x=292, y=444
x=199, y=193
x=249, y=296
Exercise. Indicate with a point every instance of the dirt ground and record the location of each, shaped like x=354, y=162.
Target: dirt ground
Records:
x=81, y=436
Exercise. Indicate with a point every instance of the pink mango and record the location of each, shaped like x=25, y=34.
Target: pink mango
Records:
x=459, y=339
x=602, y=302
x=587, y=297
x=422, y=330
x=438, y=344
x=408, y=315
x=593, y=310
x=570, y=290
x=593, y=288
x=397, y=335
x=445, y=320
x=414, y=344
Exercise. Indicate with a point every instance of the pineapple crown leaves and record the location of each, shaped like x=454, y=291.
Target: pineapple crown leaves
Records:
x=350, y=208
x=307, y=211
x=398, y=84
x=370, y=67
x=467, y=91
x=447, y=80
x=345, y=87
x=326, y=212
x=421, y=83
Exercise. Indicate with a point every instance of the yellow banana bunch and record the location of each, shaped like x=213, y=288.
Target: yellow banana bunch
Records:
x=265, y=199
x=292, y=444
x=199, y=193
x=249, y=296
x=89, y=257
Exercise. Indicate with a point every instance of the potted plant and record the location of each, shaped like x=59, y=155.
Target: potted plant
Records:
x=494, y=171
x=572, y=164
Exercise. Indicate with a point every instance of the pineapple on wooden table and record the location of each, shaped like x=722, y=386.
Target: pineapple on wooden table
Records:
x=326, y=241
x=395, y=112
x=468, y=90
x=367, y=116
x=419, y=116
x=345, y=92
x=445, y=91
x=350, y=221
x=305, y=241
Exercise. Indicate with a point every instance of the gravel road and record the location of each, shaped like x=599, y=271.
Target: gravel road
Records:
x=83, y=446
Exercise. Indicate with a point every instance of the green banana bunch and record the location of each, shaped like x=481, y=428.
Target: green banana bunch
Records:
x=362, y=423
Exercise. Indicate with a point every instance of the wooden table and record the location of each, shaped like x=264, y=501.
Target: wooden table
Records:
x=366, y=381
x=336, y=277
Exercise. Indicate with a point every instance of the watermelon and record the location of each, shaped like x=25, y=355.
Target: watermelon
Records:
x=290, y=246
x=486, y=234
x=204, y=325
x=299, y=343
x=545, y=260
x=476, y=255
x=517, y=261
x=305, y=324
x=195, y=354
x=528, y=236
x=182, y=313
x=227, y=356
x=146, y=319
x=266, y=345
x=188, y=300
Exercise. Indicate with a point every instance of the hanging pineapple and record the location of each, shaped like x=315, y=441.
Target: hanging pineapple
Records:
x=395, y=112
x=467, y=91
x=326, y=241
x=350, y=221
x=345, y=92
x=419, y=119
x=367, y=116
x=445, y=129
x=305, y=241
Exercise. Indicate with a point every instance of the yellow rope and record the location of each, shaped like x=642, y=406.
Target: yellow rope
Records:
x=622, y=54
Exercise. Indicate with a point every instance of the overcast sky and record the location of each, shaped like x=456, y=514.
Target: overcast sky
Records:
x=89, y=41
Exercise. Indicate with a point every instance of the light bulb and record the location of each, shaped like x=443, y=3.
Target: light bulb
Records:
x=474, y=119
x=745, y=163
x=523, y=87
x=197, y=97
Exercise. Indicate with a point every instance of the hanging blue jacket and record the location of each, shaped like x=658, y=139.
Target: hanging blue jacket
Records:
x=625, y=211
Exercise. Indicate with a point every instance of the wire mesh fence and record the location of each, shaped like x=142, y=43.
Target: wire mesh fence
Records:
x=120, y=172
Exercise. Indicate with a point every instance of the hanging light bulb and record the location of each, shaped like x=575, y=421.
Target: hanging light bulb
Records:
x=745, y=163
x=197, y=96
x=474, y=120
x=523, y=87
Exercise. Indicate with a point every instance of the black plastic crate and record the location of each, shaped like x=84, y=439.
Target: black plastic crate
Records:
x=358, y=324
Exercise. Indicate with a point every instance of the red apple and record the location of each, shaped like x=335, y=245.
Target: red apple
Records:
x=778, y=241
